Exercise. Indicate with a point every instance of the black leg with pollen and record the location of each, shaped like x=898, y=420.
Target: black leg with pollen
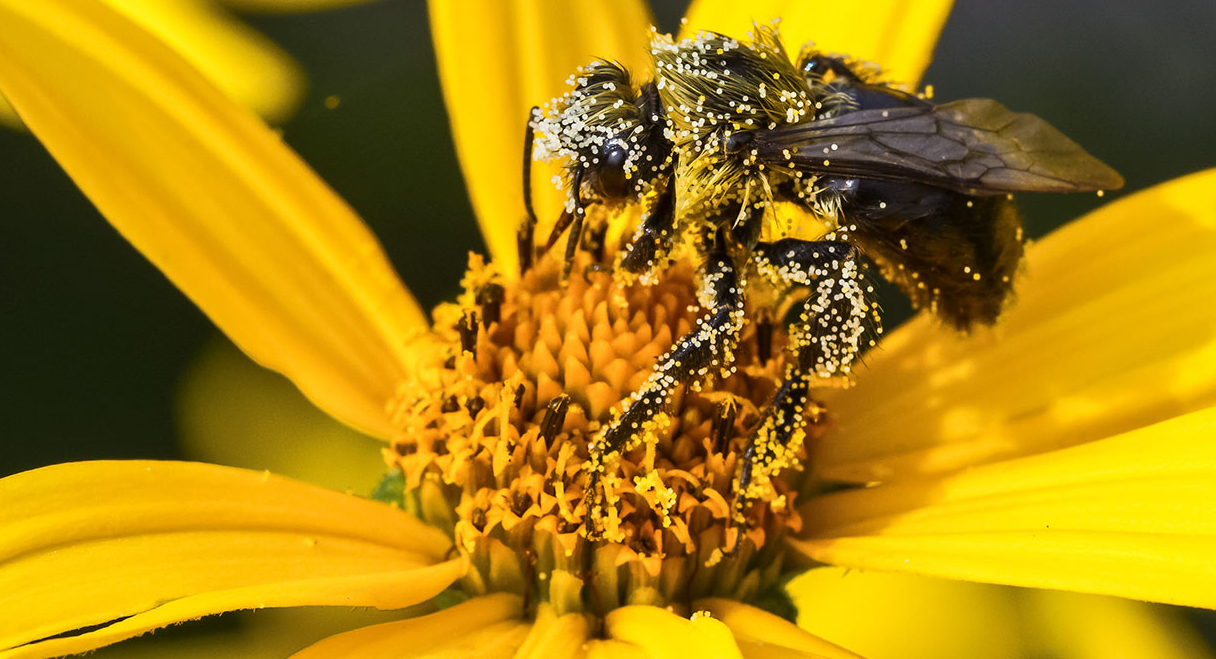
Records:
x=828, y=335
x=653, y=238
x=692, y=358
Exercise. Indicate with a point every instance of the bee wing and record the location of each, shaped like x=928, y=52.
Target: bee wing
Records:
x=973, y=146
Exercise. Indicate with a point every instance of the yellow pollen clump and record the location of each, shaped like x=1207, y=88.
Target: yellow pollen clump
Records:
x=496, y=423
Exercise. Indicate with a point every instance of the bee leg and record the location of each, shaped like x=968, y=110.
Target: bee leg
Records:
x=769, y=448
x=837, y=317
x=654, y=234
x=830, y=332
x=576, y=228
x=709, y=345
x=524, y=237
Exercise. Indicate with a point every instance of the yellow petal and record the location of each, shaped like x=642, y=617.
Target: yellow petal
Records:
x=484, y=627
x=760, y=633
x=127, y=547
x=239, y=60
x=496, y=61
x=231, y=411
x=923, y=618
x=289, y=6
x=1112, y=330
x=1133, y=516
x=555, y=637
x=899, y=35
x=245, y=65
x=609, y=649
x=663, y=634
x=1079, y=626
x=215, y=200
x=263, y=634
x=920, y=618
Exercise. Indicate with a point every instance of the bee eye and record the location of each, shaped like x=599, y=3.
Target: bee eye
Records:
x=610, y=174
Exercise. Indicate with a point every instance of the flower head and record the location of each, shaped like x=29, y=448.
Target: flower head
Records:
x=490, y=412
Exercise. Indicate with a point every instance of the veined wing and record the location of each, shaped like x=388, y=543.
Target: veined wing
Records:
x=973, y=146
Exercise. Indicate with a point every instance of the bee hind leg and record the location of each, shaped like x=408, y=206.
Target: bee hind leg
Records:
x=709, y=346
x=830, y=331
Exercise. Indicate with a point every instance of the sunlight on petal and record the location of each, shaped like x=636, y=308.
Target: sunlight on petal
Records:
x=1112, y=330
x=924, y=618
x=556, y=637
x=608, y=649
x=1133, y=516
x=664, y=634
x=1081, y=626
x=899, y=35
x=245, y=65
x=494, y=69
x=756, y=630
x=231, y=411
x=133, y=546
x=484, y=627
x=213, y=198
x=920, y=618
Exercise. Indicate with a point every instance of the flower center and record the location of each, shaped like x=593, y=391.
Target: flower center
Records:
x=497, y=423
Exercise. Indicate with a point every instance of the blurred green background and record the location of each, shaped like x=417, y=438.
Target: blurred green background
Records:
x=94, y=339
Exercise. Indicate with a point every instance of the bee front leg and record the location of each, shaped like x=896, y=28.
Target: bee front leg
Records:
x=525, y=243
x=654, y=234
x=576, y=228
x=710, y=345
x=831, y=330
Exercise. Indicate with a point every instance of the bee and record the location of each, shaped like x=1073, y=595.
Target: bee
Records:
x=726, y=130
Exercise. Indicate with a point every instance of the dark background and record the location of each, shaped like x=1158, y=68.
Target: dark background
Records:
x=93, y=339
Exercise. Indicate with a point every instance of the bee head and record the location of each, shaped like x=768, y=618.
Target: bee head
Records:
x=608, y=130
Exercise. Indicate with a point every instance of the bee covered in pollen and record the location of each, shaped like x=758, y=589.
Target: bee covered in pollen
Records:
x=726, y=130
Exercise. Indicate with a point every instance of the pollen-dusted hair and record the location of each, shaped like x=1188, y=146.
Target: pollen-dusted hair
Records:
x=712, y=86
x=603, y=106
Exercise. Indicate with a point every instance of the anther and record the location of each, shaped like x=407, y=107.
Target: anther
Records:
x=555, y=418
x=450, y=404
x=475, y=405
x=723, y=424
x=490, y=299
x=468, y=331
x=520, y=503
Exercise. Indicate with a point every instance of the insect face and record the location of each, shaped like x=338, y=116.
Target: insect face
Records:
x=614, y=149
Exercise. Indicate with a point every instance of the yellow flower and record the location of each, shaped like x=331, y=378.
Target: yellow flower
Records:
x=242, y=62
x=1033, y=455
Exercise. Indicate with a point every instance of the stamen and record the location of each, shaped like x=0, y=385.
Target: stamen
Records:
x=468, y=332
x=555, y=418
x=496, y=441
